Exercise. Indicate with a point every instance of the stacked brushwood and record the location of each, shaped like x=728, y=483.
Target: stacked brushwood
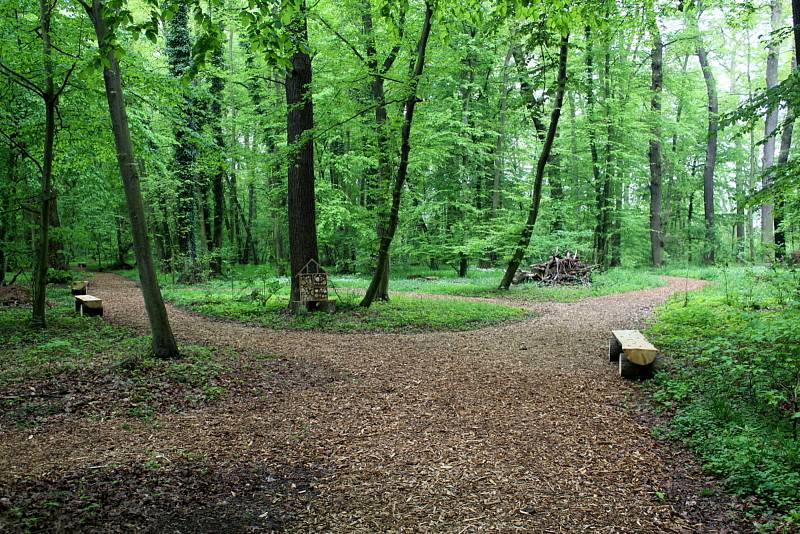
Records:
x=567, y=269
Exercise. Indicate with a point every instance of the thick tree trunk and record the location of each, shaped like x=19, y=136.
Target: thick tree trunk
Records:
x=770, y=125
x=536, y=195
x=656, y=86
x=179, y=50
x=402, y=169
x=711, y=152
x=163, y=342
x=299, y=126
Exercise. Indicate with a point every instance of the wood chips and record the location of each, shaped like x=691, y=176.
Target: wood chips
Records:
x=519, y=427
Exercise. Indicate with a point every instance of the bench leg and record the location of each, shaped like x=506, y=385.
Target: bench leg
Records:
x=614, y=349
x=631, y=370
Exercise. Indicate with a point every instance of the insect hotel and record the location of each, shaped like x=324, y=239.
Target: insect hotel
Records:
x=313, y=283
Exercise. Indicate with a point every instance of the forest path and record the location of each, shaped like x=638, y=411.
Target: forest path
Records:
x=522, y=426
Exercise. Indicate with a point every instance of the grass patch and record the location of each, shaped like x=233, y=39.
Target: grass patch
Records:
x=85, y=366
x=732, y=381
x=242, y=280
x=401, y=313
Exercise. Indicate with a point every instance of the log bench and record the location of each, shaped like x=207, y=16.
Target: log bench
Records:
x=636, y=356
x=89, y=305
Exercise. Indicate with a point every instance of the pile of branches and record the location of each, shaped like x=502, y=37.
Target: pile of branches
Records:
x=557, y=270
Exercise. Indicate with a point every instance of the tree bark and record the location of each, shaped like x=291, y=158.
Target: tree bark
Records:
x=711, y=149
x=218, y=179
x=299, y=126
x=377, y=192
x=783, y=158
x=402, y=169
x=50, y=102
x=601, y=195
x=163, y=342
x=536, y=195
x=656, y=86
x=179, y=50
x=770, y=125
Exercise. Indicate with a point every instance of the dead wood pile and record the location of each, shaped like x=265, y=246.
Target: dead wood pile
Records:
x=567, y=269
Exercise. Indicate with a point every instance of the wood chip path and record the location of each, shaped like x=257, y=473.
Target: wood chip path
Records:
x=519, y=427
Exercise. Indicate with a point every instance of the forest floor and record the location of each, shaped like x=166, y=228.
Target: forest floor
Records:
x=520, y=426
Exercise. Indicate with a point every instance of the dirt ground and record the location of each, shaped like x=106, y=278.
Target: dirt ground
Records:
x=519, y=427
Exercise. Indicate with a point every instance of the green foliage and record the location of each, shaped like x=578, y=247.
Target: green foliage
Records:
x=57, y=276
x=732, y=379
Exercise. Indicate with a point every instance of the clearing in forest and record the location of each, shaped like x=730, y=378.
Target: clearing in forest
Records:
x=522, y=425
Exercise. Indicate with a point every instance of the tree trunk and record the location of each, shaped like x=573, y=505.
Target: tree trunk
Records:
x=163, y=345
x=711, y=150
x=402, y=169
x=600, y=194
x=770, y=125
x=377, y=193
x=656, y=86
x=501, y=133
x=217, y=189
x=783, y=157
x=536, y=195
x=299, y=125
x=50, y=102
x=179, y=50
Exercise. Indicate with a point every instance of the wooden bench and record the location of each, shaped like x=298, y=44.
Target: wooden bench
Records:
x=89, y=305
x=636, y=356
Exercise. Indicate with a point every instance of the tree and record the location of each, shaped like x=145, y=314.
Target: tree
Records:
x=299, y=127
x=711, y=144
x=654, y=154
x=179, y=51
x=49, y=93
x=163, y=341
x=402, y=170
x=770, y=126
x=536, y=195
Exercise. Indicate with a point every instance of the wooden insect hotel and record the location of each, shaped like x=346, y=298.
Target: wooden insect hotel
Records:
x=313, y=283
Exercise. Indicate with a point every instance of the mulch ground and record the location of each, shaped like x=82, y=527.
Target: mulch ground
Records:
x=518, y=427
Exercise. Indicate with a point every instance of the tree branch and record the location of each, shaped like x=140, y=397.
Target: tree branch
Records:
x=21, y=80
x=23, y=150
x=341, y=37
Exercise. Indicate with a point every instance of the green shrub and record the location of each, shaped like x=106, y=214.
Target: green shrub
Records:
x=732, y=380
x=57, y=276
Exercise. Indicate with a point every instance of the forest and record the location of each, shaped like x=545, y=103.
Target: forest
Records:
x=193, y=165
